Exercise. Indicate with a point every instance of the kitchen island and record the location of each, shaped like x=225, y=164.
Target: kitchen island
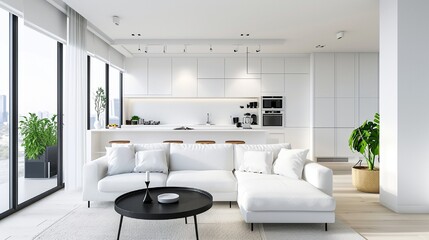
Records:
x=99, y=139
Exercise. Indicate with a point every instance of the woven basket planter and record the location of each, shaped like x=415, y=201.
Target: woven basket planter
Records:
x=365, y=180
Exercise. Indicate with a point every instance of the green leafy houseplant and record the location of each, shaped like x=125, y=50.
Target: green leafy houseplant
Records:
x=38, y=133
x=100, y=101
x=365, y=140
x=135, y=118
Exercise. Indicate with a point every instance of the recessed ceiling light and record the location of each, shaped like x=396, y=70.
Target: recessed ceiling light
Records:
x=320, y=46
x=116, y=20
x=132, y=34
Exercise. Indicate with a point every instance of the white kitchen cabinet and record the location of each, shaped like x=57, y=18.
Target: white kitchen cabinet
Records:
x=368, y=75
x=184, y=82
x=273, y=65
x=345, y=75
x=159, y=76
x=324, y=112
x=367, y=109
x=344, y=112
x=242, y=68
x=273, y=83
x=211, y=67
x=242, y=87
x=342, y=143
x=324, y=142
x=298, y=137
x=297, y=64
x=324, y=75
x=297, y=100
x=211, y=87
x=135, y=77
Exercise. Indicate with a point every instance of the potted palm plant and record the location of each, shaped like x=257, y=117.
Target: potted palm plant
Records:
x=365, y=140
x=40, y=143
x=100, y=105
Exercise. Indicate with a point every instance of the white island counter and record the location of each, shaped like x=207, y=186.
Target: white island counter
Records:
x=99, y=139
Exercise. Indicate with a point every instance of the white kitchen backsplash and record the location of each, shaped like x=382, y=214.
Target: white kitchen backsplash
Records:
x=188, y=111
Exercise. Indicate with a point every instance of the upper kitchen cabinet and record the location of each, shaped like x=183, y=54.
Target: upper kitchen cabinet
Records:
x=211, y=87
x=135, y=77
x=368, y=75
x=211, y=68
x=273, y=83
x=242, y=67
x=159, y=76
x=273, y=65
x=345, y=75
x=297, y=64
x=185, y=82
x=324, y=75
x=242, y=87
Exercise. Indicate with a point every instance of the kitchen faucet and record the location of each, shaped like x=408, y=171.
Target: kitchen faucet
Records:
x=208, y=119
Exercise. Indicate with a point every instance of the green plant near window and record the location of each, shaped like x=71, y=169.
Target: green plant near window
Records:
x=100, y=101
x=135, y=118
x=366, y=140
x=38, y=133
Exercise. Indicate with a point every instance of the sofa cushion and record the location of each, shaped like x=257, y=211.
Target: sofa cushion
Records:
x=120, y=159
x=209, y=180
x=151, y=160
x=201, y=157
x=241, y=148
x=262, y=192
x=130, y=181
x=154, y=146
x=290, y=162
x=257, y=162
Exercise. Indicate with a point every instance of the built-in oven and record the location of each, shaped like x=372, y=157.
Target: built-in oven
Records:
x=272, y=118
x=272, y=102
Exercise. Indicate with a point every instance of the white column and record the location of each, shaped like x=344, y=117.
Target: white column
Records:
x=404, y=105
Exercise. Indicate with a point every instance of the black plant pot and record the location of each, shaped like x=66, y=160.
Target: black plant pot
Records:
x=43, y=167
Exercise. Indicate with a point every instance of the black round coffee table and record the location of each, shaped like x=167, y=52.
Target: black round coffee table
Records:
x=191, y=202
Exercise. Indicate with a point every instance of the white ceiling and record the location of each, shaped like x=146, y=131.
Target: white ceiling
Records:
x=300, y=24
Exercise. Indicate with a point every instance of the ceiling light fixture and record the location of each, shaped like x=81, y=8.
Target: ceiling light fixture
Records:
x=340, y=35
x=163, y=50
x=320, y=46
x=116, y=20
x=145, y=49
x=184, y=49
x=139, y=48
x=236, y=49
x=211, y=49
x=259, y=48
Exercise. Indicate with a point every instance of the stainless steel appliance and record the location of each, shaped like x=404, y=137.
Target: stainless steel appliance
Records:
x=272, y=118
x=272, y=102
x=247, y=121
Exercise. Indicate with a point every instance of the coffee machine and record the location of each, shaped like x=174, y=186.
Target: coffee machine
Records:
x=247, y=121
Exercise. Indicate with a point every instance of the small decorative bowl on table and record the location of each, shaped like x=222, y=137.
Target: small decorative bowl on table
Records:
x=112, y=126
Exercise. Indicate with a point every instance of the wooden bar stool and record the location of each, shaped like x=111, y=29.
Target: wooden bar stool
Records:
x=235, y=142
x=173, y=141
x=205, y=142
x=119, y=141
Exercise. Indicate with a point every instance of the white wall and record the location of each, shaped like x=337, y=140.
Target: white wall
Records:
x=404, y=113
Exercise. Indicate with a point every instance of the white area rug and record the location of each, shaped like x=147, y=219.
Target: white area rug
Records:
x=220, y=222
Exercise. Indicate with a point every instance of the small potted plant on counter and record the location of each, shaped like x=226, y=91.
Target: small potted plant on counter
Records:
x=365, y=140
x=135, y=120
x=99, y=105
x=40, y=143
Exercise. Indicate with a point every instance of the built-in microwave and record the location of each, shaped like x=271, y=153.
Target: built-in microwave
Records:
x=272, y=102
x=272, y=118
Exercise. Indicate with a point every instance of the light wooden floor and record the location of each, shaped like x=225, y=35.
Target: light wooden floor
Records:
x=361, y=211
x=364, y=213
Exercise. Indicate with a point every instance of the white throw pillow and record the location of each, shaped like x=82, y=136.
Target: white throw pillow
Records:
x=290, y=163
x=120, y=159
x=152, y=161
x=257, y=162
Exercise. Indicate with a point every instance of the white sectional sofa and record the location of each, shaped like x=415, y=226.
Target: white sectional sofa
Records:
x=262, y=198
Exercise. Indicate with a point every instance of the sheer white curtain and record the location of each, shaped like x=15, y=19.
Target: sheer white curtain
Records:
x=75, y=98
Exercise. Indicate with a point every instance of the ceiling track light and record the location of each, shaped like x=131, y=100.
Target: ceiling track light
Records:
x=163, y=50
x=116, y=20
x=184, y=49
x=340, y=35
x=145, y=49
x=236, y=49
x=139, y=48
x=259, y=48
x=211, y=48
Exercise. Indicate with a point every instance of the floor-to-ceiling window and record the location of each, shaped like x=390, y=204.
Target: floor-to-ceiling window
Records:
x=37, y=107
x=114, y=96
x=31, y=67
x=4, y=111
x=97, y=79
